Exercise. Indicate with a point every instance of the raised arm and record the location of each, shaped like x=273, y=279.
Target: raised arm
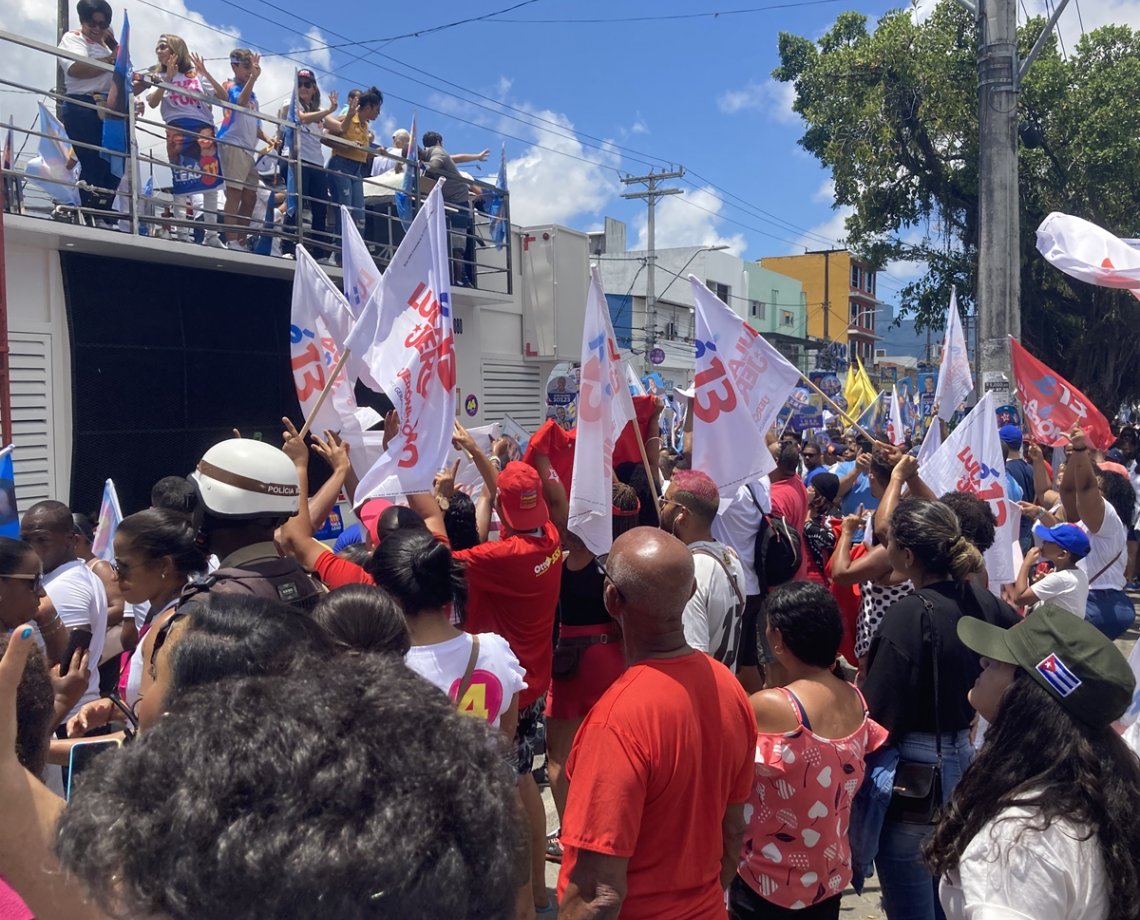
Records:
x=247, y=89
x=462, y=440
x=296, y=534
x=1080, y=493
x=200, y=67
x=1041, y=483
x=335, y=453
x=848, y=480
x=470, y=157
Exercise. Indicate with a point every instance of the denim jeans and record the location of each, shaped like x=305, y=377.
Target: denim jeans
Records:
x=313, y=194
x=910, y=892
x=84, y=126
x=1110, y=610
x=346, y=182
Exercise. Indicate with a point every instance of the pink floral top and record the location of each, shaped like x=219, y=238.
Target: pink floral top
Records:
x=795, y=850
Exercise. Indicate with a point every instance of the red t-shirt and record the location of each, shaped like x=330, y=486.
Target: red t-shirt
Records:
x=790, y=501
x=337, y=572
x=653, y=768
x=512, y=590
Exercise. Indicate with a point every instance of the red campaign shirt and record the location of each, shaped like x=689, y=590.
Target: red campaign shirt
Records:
x=336, y=572
x=790, y=501
x=512, y=590
x=653, y=768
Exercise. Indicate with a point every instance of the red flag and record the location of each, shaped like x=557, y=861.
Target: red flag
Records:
x=558, y=444
x=1052, y=405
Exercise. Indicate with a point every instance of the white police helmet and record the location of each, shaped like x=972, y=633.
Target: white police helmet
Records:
x=244, y=478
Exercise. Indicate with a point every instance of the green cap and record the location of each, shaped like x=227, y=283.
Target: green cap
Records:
x=1068, y=656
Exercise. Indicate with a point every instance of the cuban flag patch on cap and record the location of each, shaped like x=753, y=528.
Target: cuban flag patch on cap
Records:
x=1059, y=677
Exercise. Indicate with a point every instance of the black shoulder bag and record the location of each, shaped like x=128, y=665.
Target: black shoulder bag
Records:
x=917, y=793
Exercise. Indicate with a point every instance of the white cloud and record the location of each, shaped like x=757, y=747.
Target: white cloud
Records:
x=771, y=97
x=639, y=126
x=561, y=180
x=833, y=231
x=691, y=219
x=825, y=193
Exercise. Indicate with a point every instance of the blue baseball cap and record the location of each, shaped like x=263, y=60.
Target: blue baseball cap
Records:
x=1011, y=435
x=1067, y=536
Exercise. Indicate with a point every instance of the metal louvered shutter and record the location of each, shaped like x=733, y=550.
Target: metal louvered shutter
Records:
x=32, y=431
x=513, y=389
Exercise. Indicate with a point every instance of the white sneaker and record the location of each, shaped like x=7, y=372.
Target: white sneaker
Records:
x=212, y=239
x=238, y=246
x=328, y=260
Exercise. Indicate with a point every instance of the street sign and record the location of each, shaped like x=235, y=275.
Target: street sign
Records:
x=657, y=356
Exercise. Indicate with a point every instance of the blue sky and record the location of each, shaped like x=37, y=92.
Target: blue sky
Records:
x=576, y=102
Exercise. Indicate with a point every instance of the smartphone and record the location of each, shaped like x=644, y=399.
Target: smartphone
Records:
x=80, y=638
x=82, y=753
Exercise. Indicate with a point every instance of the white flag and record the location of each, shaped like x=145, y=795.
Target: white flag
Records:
x=361, y=276
x=110, y=516
x=931, y=441
x=970, y=461
x=740, y=385
x=468, y=479
x=636, y=387
x=604, y=409
x=320, y=321
x=895, y=428
x=1088, y=253
x=955, y=382
x=414, y=364
x=56, y=168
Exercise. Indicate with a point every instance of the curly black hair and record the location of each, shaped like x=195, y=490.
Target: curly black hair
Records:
x=460, y=522
x=328, y=791
x=975, y=518
x=35, y=709
x=1118, y=492
x=1038, y=756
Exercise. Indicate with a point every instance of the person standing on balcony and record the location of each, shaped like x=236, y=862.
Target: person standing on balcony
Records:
x=86, y=86
x=190, y=144
x=349, y=165
x=312, y=181
x=440, y=166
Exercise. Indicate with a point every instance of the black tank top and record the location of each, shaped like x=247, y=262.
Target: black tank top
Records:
x=580, y=597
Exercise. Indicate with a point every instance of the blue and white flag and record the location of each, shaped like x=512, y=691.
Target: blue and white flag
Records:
x=496, y=208
x=110, y=516
x=9, y=517
x=116, y=123
x=56, y=168
x=293, y=145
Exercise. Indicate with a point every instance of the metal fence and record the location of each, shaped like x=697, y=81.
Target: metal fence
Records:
x=285, y=214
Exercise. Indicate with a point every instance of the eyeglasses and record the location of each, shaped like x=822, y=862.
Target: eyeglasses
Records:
x=120, y=568
x=306, y=84
x=239, y=62
x=37, y=580
x=600, y=562
x=99, y=23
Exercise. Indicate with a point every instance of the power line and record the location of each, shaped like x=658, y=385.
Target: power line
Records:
x=716, y=14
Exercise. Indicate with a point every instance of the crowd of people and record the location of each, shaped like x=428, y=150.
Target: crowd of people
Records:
x=748, y=705
x=332, y=153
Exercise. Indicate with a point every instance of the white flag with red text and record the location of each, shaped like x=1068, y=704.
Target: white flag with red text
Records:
x=895, y=429
x=414, y=361
x=970, y=460
x=605, y=407
x=740, y=385
x=1089, y=253
x=955, y=381
x=319, y=322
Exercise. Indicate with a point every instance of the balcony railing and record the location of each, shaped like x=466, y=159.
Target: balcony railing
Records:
x=136, y=205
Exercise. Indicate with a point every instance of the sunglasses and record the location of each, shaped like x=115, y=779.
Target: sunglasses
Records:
x=600, y=563
x=37, y=580
x=239, y=62
x=306, y=84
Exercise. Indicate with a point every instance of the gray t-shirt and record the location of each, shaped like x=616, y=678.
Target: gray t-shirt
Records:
x=441, y=166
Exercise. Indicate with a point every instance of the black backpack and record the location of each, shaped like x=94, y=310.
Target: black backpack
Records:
x=778, y=549
x=257, y=570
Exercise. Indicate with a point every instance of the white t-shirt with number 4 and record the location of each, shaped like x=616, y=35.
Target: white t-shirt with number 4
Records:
x=497, y=677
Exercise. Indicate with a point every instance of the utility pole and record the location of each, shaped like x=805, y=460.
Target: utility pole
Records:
x=826, y=253
x=62, y=26
x=1000, y=72
x=651, y=194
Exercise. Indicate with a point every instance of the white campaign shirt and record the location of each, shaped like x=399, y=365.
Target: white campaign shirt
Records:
x=1107, y=545
x=1010, y=871
x=736, y=525
x=176, y=105
x=81, y=601
x=497, y=677
x=83, y=86
x=1068, y=589
x=712, y=616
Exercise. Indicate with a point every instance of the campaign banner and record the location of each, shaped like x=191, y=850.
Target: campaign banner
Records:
x=970, y=461
x=740, y=385
x=927, y=388
x=1052, y=405
x=194, y=162
x=955, y=380
x=415, y=363
x=605, y=407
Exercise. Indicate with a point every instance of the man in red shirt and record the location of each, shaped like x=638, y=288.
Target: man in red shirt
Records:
x=789, y=497
x=512, y=590
x=663, y=763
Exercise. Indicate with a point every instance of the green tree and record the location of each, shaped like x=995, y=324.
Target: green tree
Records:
x=893, y=114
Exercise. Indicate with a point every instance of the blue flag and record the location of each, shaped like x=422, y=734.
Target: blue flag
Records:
x=292, y=144
x=56, y=167
x=405, y=198
x=9, y=520
x=497, y=207
x=115, y=122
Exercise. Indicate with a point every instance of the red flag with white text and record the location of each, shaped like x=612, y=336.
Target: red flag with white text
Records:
x=1052, y=406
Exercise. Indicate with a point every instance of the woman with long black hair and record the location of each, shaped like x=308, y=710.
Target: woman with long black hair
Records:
x=918, y=675
x=1043, y=824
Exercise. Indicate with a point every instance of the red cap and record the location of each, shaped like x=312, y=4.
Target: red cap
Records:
x=521, y=503
x=370, y=513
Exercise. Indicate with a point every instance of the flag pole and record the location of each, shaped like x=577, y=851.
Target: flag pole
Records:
x=854, y=423
x=324, y=394
x=648, y=468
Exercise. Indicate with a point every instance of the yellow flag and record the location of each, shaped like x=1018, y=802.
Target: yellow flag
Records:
x=853, y=392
